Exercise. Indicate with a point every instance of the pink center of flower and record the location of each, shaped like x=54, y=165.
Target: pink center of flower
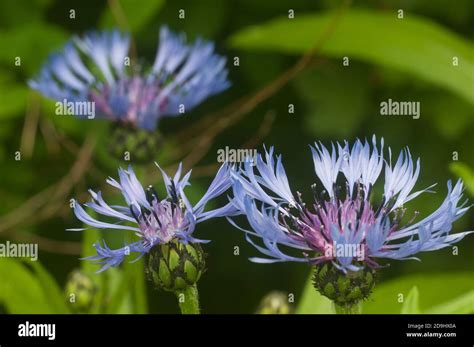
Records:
x=162, y=224
x=129, y=99
x=353, y=216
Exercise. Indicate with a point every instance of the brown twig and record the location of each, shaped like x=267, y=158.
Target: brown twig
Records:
x=262, y=132
x=50, y=136
x=50, y=245
x=223, y=119
x=43, y=203
x=30, y=127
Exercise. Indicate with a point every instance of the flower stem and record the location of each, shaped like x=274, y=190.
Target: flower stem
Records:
x=188, y=300
x=354, y=309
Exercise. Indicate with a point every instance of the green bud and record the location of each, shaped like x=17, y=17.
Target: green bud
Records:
x=80, y=291
x=141, y=144
x=343, y=289
x=174, y=266
x=275, y=303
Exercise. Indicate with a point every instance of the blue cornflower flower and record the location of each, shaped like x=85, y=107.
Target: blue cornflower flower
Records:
x=156, y=222
x=94, y=68
x=342, y=227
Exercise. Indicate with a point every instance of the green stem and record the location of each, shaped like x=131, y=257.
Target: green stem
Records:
x=188, y=300
x=354, y=309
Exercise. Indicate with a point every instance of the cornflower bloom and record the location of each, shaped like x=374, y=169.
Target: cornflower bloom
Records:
x=97, y=69
x=342, y=232
x=164, y=226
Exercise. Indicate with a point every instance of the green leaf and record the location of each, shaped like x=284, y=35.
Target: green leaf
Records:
x=139, y=290
x=122, y=290
x=433, y=290
x=12, y=100
x=437, y=105
x=119, y=288
x=464, y=172
x=52, y=290
x=32, y=43
x=89, y=237
x=322, y=91
x=313, y=302
x=21, y=291
x=411, y=306
x=463, y=304
x=214, y=11
x=99, y=302
x=136, y=15
x=414, y=44
x=19, y=12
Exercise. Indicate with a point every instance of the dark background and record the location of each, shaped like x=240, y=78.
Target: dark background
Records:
x=332, y=103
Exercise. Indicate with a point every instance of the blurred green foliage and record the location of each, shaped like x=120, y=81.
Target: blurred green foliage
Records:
x=136, y=16
x=409, y=59
x=412, y=44
x=420, y=293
